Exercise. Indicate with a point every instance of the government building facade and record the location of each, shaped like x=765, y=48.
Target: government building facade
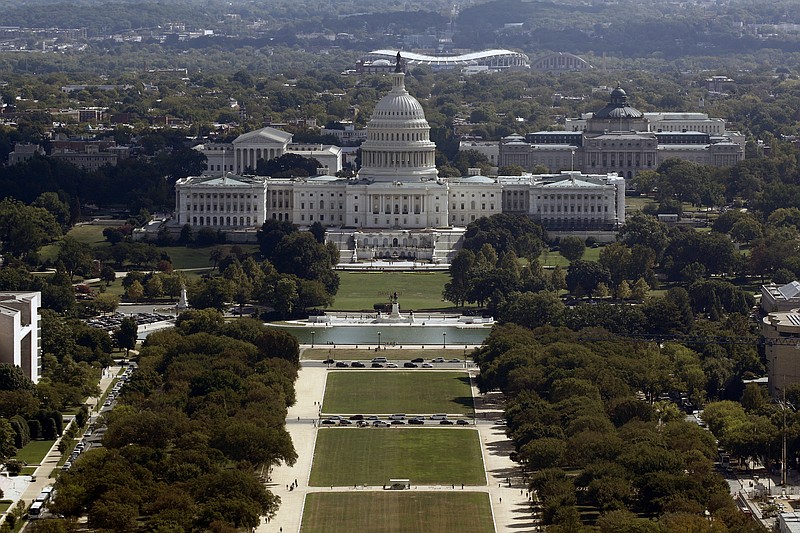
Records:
x=397, y=207
x=622, y=139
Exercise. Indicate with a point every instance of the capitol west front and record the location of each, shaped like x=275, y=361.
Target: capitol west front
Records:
x=397, y=206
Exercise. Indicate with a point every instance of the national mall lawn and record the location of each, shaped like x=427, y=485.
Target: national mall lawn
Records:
x=350, y=456
x=394, y=391
x=383, y=512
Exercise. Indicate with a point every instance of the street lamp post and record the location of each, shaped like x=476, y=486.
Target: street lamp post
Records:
x=379, y=340
x=312, y=338
x=444, y=339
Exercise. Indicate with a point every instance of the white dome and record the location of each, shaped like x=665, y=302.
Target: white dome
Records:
x=398, y=105
x=398, y=145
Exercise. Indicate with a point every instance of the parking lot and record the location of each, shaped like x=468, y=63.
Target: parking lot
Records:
x=112, y=321
x=385, y=421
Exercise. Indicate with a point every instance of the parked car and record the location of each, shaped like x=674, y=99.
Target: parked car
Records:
x=437, y=360
x=357, y=417
x=462, y=422
x=454, y=361
x=418, y=360
x=380, y=424
x=427, y=365
x=446, y=422
x=377, y=365
x=398, y=423
x=416, y=421
x=410, y=365
x=328, y=362
x=391, y=365
x=341, y=364
x=397, y=417
x=328, y=422
x=373, y=417
x=345, y=422
x=357, y=364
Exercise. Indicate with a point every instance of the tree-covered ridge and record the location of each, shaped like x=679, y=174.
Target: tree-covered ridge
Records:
x=200, y=425
x=600, y=446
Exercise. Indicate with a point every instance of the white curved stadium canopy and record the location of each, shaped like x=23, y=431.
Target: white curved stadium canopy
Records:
x=485, y=57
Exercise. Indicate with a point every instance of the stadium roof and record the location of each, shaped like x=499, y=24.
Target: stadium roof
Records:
x=483, y=57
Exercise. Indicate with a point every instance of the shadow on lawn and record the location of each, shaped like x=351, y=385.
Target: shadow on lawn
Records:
x=464, y=400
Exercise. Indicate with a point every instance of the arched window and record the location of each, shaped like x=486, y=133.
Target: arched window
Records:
x=322, y=204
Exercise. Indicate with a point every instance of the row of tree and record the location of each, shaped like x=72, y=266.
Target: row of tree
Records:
x=198, y=427
x=597, y=453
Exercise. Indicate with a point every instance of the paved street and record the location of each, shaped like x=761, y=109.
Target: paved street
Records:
x=22, y=488
x=510, y=505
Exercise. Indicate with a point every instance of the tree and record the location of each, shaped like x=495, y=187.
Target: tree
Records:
x=746, y=230
x=532, y=310
x=271, y=234
x=186, y=237
x=153, y=288
x=288, y=165
x=7, y=448
x=127, y=333
x=59, y=209
x=108, y=275
x=106, y=302
x=584, y=276
x=24, y=229
x=624, y=290
x=135, y=291
x=13, y=378
x=640, y=289
x=572, y=248
x=645, y=230
x=457, y=288
x=318, y=231
x=616, y=257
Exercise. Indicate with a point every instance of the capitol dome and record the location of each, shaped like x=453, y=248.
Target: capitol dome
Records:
x=398, y=146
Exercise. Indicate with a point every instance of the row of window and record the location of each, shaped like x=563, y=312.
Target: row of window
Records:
x=557, y=209
x=227, y=207
x=320, y=218
x=472, y=206
x=214, y=196
x=224, y=221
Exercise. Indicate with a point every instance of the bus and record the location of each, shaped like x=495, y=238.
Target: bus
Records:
x=36, y=510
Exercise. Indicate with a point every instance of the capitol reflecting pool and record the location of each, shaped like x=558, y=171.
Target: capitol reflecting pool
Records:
x=383, y=333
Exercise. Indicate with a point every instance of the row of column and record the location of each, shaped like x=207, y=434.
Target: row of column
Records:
x=599, y=203
x=398, y=159
x=248, y=157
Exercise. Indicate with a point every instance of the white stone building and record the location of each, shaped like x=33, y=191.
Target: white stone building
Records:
x=619, y=138
x=242, y=155
x=20, y=343
x=397, y=206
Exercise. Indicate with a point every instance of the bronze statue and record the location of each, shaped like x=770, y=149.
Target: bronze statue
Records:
x=398, y=67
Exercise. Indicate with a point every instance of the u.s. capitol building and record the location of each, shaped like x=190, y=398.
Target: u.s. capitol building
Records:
x=397, y=206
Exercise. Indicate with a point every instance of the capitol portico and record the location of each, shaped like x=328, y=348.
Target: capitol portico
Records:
x=397, y=206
